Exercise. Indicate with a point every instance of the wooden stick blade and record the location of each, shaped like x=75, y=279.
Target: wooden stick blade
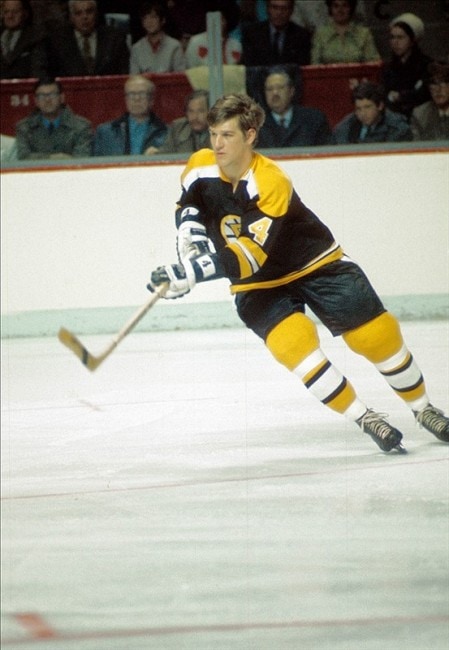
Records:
x=74, y=344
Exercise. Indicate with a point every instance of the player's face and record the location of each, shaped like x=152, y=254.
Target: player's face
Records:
x=368, y=113
x=278, y=93
x=197, y=114
x=232, y=147
x=400, y=42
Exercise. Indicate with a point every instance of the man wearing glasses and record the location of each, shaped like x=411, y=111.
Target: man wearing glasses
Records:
x=52, y=130
x=138, y=129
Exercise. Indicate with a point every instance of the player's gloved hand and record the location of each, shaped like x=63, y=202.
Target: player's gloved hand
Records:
x=191, y=238
x=176, y=276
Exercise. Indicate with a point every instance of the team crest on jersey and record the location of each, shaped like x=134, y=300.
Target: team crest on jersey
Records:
x=231, y=227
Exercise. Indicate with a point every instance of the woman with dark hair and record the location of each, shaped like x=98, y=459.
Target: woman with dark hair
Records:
x=156, y=51
x=343, y=40
x=405, y=73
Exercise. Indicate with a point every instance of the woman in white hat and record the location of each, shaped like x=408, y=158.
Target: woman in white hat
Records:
x=405, y=73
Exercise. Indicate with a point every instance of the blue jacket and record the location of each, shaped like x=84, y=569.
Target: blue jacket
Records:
x=112, y=138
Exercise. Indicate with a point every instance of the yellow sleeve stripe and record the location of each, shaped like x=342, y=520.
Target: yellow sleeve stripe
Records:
x=246, y=269
x=249, y=254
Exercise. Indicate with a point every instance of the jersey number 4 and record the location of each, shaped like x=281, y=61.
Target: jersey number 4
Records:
x=259, y=229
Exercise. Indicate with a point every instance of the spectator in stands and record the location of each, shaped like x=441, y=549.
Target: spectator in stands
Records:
x=197, y=51
x=430, y=121
x=371, y=121
x=343, y=40
x=188, y=17
x=85, y=48
x=156, y=51
x=189, y=133
x=8, y=149
x=276, y=40
x=405, y=73
x=49, y=14
x=312, y=14
x=52, y=130
x=288, y=124
x=138, y=129
x=22, y=54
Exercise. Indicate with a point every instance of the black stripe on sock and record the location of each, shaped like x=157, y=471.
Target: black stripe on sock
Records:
x=319, y=374
x=406, y=365
x=336, y=392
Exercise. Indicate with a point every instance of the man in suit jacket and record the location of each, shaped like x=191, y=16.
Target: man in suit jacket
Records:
x=276, y=40
x=191, y=132
x=430, y=121
x=288, y=124
x=86, y=48
x=22, y=54
x=136, y=131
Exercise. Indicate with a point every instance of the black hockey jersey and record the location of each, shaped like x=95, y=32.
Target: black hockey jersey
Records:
x=262, y=232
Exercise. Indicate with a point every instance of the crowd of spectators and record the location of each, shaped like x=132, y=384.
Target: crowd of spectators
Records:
x=54, y=39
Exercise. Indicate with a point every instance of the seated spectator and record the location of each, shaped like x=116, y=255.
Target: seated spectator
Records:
x=49, y=14
x=138, y=129
x=189, y=133
x=197, y=51
x=288, y=124
x=22, y=54
x=85, y=48
x=52, y=130
x=311, y=14
x=188, y=17
x=8, y=150
x=276, y=40
x=371, y=121
x=156, y=51
x=343, y=40
x=430, y=121
x=405, y=73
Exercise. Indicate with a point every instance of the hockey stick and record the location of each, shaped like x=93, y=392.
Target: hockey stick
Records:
x=89, y=360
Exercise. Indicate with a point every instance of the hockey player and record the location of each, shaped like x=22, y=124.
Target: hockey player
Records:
x=239, y=217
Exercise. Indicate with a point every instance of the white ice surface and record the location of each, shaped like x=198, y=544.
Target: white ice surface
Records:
x=191, y=495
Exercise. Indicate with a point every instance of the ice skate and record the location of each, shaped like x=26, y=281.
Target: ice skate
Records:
x=383, y=434
x=433, y=420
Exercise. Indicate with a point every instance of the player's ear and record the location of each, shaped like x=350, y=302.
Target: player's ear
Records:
x=251, y=135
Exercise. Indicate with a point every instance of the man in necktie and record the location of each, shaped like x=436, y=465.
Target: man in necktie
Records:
x=87, y=54
x=83, y=16
x=371, y=121
x=286, y=123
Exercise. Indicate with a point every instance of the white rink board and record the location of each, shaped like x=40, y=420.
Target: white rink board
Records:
x=88, y=238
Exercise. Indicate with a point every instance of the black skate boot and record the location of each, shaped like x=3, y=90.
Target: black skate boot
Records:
x=433, y=420
x=383, y=434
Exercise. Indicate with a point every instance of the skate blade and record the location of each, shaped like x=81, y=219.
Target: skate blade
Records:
x=400, y=449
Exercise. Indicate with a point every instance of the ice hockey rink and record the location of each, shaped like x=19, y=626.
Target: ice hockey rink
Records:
x=191, y=495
